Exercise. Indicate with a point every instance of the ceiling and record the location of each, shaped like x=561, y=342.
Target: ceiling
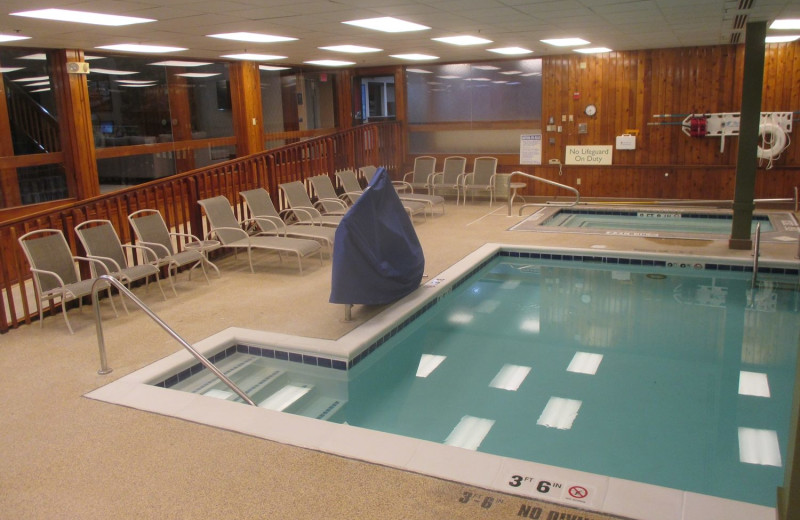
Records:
x=616, y=24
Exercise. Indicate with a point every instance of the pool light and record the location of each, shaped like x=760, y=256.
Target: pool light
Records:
x=559, y=413
x=510, y=377
x=759, y=447
x=469, y=432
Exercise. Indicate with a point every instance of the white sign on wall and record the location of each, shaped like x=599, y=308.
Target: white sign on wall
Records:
x=530, y=149
x=596, y=155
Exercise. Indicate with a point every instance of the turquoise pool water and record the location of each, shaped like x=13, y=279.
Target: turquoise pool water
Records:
x=677, y=377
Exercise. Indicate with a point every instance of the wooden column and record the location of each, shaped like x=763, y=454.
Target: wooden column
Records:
x=747, y=160
x=344, y=99
x=248, y=121
x=75, y=122
x=181, y=114
x=9, y=184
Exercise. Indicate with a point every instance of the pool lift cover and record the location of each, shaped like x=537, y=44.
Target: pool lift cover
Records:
x=377, y=257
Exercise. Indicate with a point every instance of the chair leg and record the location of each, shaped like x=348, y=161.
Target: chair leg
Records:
x=64, y=312
x=249, y=258
x=158, y=283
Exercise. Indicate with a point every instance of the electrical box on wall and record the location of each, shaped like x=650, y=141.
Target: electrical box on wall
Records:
x=77, y=67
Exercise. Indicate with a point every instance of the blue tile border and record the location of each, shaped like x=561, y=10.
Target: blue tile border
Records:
x=338, y=364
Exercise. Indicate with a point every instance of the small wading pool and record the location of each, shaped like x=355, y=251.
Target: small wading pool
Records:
x=622, y=370
x=656, y=222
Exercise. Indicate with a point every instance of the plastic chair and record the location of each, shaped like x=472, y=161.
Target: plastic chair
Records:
x=448, y=179
x=481, y=178
x=421, y=177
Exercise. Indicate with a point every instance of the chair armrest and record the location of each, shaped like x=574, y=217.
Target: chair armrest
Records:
x=214, y=231
x=433, y=177
x=312, y=213
x=185, y=235
x=335, y=201
x=102, y=260
x=40, y=272
x=153, y=246
x=267, y=221
x=406, y=175
x=145, y=251
x=402, y=186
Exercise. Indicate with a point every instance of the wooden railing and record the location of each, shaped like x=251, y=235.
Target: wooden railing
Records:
x=176, y=198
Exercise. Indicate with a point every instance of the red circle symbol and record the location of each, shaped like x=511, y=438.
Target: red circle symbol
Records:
x=578, y=492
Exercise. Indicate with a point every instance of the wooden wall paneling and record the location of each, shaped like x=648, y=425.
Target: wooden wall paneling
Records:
x=248, y=119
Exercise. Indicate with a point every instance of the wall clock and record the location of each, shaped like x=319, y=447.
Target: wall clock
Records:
x=590, y=110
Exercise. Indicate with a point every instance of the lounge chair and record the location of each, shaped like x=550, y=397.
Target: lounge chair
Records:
x=305, y=212
x=152, y=232
x=368, y=172
x=414, y=203
x=269, y=221
x=229, y=232
x=450, y=176
x=101, y=242
x=350, y=184
x=481, y=178
x=54, y=271
x=421, y=177
x=327, y=197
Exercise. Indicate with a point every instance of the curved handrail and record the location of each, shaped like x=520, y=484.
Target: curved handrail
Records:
x=546, y=181
x=104, y=368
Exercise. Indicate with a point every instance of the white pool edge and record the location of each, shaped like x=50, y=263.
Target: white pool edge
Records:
x=605, y=494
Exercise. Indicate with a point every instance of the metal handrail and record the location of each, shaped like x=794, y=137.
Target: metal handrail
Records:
x=104, y=368
x=546, y=181
x=756, y=252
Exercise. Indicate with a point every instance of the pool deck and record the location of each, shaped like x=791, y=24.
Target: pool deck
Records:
x=67, y=456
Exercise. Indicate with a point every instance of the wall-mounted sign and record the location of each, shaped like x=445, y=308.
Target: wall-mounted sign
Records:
x=530, y=149
x=598, y=155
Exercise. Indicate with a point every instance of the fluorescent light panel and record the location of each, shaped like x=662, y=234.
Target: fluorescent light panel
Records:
x=199, y=74
x=46, y=89
x=759, y=447
x=351, y=49
x=585, y=363
x=781, y=39
x=510, y=51
x=753, y=383
x=112, y=72
x=178, y=63
x=38, y=84
x=254, y=57
x=414, y=57
x=330, y=63
x=565, y=42
x=788, y=23
x=35, y=78
x=12, y=37
x=559, y=413
x=428, y=363
x=136, y=81
x=419, y=71
x=387, y=24
x=272, y=67
x=4, y=70
x=593, y=50
x=136, y=47
x=469, y=432
x=510, y=377
x=462, y=40
x=65, y=15
x=532, y=324
x=252, y=37
x=460, y=318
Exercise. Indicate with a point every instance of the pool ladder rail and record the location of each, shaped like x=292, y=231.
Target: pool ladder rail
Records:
x=546, y=181
x=105, y=369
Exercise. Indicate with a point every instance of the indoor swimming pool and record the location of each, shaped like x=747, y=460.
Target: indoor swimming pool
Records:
x=666, y=372
x=655, y=222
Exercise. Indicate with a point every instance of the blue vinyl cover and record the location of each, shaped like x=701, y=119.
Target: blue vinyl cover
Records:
x=377, y=257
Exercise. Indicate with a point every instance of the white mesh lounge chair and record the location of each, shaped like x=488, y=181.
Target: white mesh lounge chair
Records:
x=269, y=221
x=327, y=197
x=481, y=178
x=229, y=232
x=54, y=270
x=421, y=177
x=350, y=184
x=152, y=232
x=305, y=212
x=450, y=176
x=100, y=240
x=368, y=172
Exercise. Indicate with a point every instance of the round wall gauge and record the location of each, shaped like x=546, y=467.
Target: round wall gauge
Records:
x=590, y=110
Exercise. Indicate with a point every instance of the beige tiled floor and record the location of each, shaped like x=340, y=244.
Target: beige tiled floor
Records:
x=65, y=456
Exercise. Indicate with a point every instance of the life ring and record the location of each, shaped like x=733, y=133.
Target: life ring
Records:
x=774, y=136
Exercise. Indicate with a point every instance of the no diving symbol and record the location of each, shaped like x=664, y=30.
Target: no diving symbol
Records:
x=578, y=492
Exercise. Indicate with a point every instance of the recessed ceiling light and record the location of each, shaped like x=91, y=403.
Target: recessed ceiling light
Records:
x=593, y=50
x=272, y=67
x=135, y=81
x=143, y=85
x=64, y=15
x=511, y=72
x=419, y=71
x=36, y=78
x=199, y=74
x=781, y=39
x=448, y=77
x=414, y=57
x=12, y=37
x=330, y=63
x=178, y=63
x=387, y=24
x=46, y=89
x=565, y=42
x=477, y=79
x=485, y=67
x=462, y=40
x=4, y=70
x=252, y=37
x=112, y=72
x=38, y=84
x=510, y=50
x=39, y=56
x=354, y=49
x=254, y=57
x=135, y=47
x=788, y=23
x=90, y=58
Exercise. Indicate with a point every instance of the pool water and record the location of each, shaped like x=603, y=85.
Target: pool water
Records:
x=675, y=377
x=656, y=220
